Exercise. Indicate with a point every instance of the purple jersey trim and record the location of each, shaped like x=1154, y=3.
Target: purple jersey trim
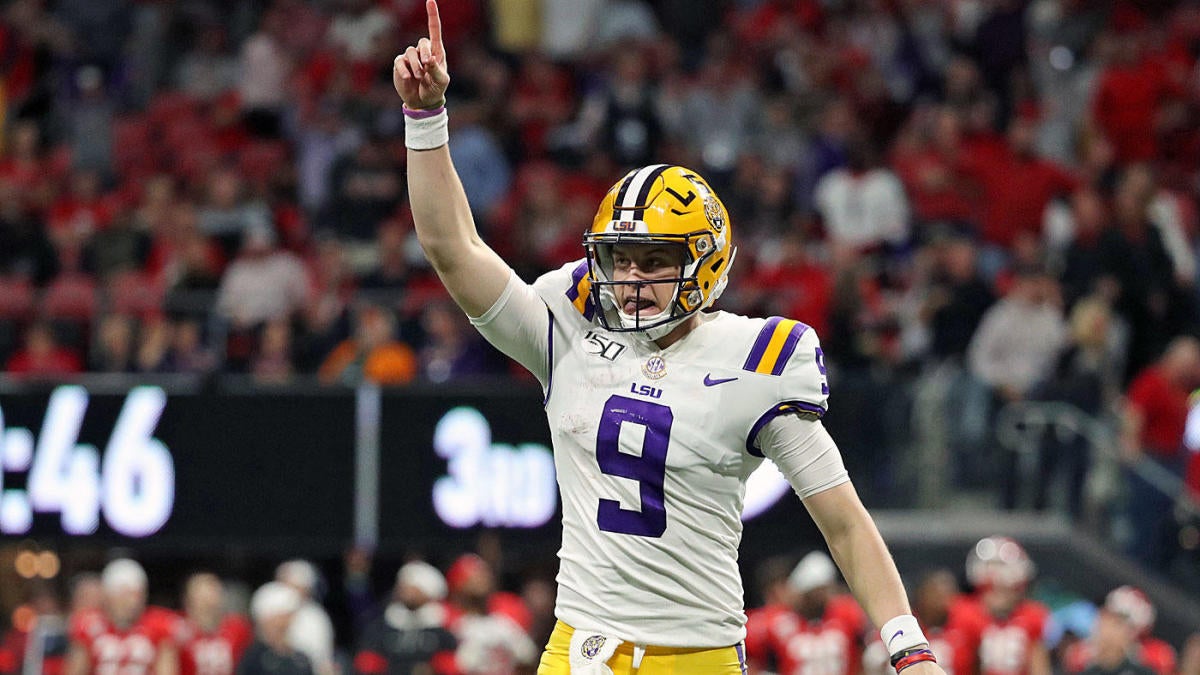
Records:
x=549, y=356
x=577, y=276
x=789, y=346
x=741, y=654
x=780, y=409
x=760, y=345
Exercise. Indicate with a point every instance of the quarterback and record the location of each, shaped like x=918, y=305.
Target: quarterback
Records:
x=659, y=411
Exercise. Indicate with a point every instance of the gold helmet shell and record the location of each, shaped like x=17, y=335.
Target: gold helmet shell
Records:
x=665, y=205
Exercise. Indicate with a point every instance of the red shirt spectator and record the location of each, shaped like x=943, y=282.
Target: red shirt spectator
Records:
x=1160, y=400
x=43, y=357
x=1128, y=98
x=1015, y=186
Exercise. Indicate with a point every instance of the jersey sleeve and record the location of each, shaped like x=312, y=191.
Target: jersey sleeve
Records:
x=519, y=325
x=804, y=452
x=789, y=354
x=803, y=385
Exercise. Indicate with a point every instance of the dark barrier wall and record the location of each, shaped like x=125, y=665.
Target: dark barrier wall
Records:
x=178, y=470
x=153, y=468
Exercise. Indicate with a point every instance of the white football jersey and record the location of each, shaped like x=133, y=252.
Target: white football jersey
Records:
x=653, y=448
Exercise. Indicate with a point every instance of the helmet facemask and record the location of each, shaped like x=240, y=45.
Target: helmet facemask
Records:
x=686, y=298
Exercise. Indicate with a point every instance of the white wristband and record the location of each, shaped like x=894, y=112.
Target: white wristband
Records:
x=426, y=129
x=902, y=632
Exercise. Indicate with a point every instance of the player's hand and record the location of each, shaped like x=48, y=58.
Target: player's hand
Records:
x=420, y=73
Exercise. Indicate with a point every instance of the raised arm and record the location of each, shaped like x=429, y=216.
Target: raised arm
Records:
x=473, y=273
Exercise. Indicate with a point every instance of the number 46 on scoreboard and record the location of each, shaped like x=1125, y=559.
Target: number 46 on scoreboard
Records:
x=134, y=485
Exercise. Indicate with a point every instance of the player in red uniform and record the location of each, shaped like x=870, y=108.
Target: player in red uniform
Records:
x=125, y=637
x=1003, y=627
x=932, y=600
x=1130, y=604
x=773, y=584
x=211, y=640
x=821, y=633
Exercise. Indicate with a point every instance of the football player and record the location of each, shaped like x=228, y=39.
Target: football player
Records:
x=1003, y=628
x=821, y=633
x=1114, y=641
x=777, y=606
x=211, y=639
x=1132, y=606
x=410, y=636
x=124, y=637
x=932, y=600
x=658, y=410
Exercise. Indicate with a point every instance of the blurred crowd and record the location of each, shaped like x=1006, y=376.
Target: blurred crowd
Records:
x=978, y=204
x=461, y=621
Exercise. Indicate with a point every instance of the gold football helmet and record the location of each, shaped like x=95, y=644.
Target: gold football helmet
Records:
x=664, y=205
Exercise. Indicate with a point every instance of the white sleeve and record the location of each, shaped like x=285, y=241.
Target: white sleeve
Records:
x=519, y=324
x=805, y=453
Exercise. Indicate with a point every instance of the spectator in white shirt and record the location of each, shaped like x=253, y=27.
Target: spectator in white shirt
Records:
x=263, y=283
x=862, y=205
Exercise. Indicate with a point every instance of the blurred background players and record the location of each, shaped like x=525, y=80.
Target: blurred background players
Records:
x=489, y=625
x=931, y=601
x=1003, y=628
x=410, y=636
x=273, y=606
x=124, y=636
x=211, y=639
x=1128, y=605
x=819, y=633
x=1113, y=645
x=777, y=607
x=311, y=630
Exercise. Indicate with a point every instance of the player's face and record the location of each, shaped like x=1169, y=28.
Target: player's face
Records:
x=1114, y=631
x=411, y=596
x=646, y=262
x=205, y=597
x=811, y=604
x=125, y=604
x=933, y=597
x=1002, y=599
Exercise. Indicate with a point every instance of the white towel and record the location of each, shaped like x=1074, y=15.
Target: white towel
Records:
x=590, y=652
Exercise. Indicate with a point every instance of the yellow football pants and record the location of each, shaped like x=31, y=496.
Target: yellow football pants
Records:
x=657, y=661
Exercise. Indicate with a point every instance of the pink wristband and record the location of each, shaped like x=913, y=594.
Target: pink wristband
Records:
x=425, y=113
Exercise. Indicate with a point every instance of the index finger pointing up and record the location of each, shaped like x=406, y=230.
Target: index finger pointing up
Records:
x=435, y=28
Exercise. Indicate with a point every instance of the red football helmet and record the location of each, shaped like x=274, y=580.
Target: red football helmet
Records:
x=999, y=561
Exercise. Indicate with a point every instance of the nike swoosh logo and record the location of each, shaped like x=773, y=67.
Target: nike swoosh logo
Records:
x=709, y=382
x=898, y=634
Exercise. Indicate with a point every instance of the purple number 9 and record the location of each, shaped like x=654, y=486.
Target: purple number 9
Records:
x=649, y=470
x=821, y=368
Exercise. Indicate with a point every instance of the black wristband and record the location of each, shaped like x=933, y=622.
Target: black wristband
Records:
x=923, y=647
